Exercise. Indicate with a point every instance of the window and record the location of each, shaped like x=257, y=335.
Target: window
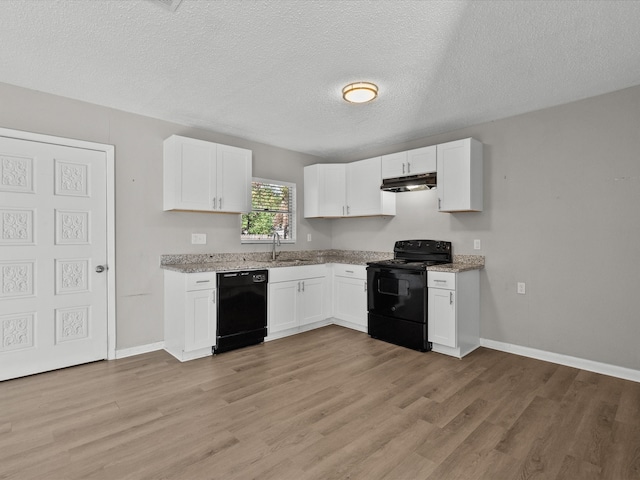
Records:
x=272, y=210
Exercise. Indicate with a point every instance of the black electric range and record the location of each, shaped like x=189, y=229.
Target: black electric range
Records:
x=397, y=292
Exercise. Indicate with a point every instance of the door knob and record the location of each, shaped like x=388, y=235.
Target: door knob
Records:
x=100, y=268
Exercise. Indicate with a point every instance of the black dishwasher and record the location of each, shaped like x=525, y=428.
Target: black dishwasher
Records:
x=242, y=309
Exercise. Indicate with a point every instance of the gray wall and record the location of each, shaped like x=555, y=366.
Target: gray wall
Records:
x=143, y=230
x=562, y=191
x=562, y=213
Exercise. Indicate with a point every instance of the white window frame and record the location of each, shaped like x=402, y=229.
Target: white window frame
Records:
x=293, y=215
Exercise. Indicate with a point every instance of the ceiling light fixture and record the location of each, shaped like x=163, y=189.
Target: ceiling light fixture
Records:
x=360, y=92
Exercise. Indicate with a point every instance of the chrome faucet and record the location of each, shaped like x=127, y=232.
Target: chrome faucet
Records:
x=276, y=238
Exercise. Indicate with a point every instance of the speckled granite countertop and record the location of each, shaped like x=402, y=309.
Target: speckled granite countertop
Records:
x=224, y=262
x=461, y=263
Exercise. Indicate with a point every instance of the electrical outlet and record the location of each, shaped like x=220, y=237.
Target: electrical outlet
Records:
x=308, y=237
x=477, y=244
x=198, y=238
x=522, y=290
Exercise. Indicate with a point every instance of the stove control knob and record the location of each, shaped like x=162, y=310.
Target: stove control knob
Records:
x=438, y=245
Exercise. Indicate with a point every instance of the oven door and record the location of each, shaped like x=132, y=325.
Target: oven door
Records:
x=397, y=293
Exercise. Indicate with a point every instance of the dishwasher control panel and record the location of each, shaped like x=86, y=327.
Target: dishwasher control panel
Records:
x=259, y=277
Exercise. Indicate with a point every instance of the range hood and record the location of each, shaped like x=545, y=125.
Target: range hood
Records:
x=409, y=183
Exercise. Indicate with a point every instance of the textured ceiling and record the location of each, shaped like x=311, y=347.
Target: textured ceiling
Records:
x=272, y=71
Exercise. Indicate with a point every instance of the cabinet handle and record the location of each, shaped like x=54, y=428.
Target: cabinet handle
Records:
x=365, y=286
x=348, y=210
x=349, y=271
x=439, y=204
x=203, y=281
x=440, y=281
x=213, y=202
x=450, y=298
x=302, y=287
x=408, y=167
x=298, y=287
x=220, y=204
x=403, y=168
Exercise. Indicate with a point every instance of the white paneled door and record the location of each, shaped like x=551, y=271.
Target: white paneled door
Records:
x=53, y=255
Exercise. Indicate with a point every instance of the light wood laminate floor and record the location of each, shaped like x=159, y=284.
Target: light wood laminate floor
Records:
x=326, y=404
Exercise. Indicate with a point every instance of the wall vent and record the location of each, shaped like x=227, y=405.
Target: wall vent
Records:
x=170, y=5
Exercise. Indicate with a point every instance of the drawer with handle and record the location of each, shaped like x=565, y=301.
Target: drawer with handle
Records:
x=354, y=271
x=441, y=280
x=201, y=281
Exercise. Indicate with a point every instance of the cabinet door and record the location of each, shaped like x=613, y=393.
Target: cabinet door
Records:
x=421, y=160
x=283, y=301
x=200, y=321
x=312, y=191
x=312, y=301
x=394, y=165
x=325, y=190
x=350, y=300
x=233, y=179
x=363, y=187
x=332, y=190
x=460, y=176
x=441, y=328
x=190, y=171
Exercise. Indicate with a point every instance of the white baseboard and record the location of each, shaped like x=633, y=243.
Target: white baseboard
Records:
x=129, y=352
x=351, y=325
x=569, y=361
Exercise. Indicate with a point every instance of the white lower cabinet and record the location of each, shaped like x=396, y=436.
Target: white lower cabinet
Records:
x=454, y=312
x=305, y=297
x=299, y=299
x=350, y=296
x=283, y=306
x=190, y=314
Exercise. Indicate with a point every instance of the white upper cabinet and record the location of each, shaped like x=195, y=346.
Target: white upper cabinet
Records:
x=346, y=190
x=233, y=182
x=206, y=176
x=364, y=197
x=411, y=162
x=325, y=190
x=460, y=176
x=333, y=183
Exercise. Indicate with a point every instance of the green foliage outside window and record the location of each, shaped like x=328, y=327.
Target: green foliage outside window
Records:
x=272, y=211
